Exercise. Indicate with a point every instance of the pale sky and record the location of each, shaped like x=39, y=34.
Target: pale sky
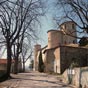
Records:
x=47, y=22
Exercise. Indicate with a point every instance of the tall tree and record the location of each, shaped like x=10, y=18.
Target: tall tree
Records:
x=15, y=19
x=27, y=53
x=3, y=1
x=31, y=64
x=76, y=11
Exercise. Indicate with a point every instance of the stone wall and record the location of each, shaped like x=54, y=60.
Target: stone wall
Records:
x=50, y=58
x=57, y=60
x=60, y=58
x=3, y=67
x=55, y=38
x=36, y=49
x=70, y=54
x=79, y=78
x=69, y=28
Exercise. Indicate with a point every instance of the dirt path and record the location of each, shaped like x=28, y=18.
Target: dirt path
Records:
x=34, y=80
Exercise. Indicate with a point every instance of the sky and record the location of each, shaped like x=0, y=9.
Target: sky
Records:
x=47, y=23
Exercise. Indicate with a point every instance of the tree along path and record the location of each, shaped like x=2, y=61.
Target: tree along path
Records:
x=34, y=80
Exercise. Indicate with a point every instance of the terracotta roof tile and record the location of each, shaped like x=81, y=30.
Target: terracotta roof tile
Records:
x=4, y=61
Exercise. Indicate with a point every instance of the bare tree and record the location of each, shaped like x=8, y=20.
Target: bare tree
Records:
x=28, y=30
x=31, y=64
x=3, y=1
x=27, y=52
x=76, y=11
x=15, y=19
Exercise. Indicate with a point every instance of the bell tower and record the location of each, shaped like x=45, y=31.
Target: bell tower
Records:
x=69, y=30
x=37, y=47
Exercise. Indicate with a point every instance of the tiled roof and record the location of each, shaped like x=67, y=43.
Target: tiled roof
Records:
x=4, y=61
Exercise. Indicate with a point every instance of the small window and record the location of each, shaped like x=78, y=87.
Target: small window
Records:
x=74, y=41
x=73, y=26
x=49, y=40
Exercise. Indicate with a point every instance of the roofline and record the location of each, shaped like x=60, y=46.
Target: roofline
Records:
x=66, y=46
x=44, y=47
x=67, y=22
x=54, y=30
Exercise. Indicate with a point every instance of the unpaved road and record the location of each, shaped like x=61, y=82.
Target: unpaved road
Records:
x=34, y=80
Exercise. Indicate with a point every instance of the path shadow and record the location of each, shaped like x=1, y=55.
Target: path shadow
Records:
x=57, y=82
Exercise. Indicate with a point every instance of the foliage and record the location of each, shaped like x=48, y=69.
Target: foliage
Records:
x=40, y=64
x=75, y=63
x=83, y=41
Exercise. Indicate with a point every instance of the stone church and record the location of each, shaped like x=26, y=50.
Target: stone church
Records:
x=61, y=51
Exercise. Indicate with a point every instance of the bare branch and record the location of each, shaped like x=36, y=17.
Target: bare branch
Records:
x=75, y=10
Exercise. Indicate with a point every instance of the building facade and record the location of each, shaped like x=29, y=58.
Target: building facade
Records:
x=62, y=50
x=3, y=65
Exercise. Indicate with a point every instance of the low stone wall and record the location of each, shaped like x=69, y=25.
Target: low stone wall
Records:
x=2, y=67
x=65, y=76
x=78, y=77
x=68, y=55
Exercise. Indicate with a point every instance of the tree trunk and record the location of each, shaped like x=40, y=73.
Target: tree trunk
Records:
x=7, y=75
x=16, y=65
x=23, y=65
x=8, y=58
x=16, y=58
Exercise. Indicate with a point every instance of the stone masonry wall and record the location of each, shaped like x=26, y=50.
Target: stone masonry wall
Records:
x=57, y=60
x=2, y=67
x=69, y=54
x=79, y=78
x=50, y=58
x=36, y=49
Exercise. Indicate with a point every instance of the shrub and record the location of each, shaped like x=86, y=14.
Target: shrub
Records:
x=41, y=64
